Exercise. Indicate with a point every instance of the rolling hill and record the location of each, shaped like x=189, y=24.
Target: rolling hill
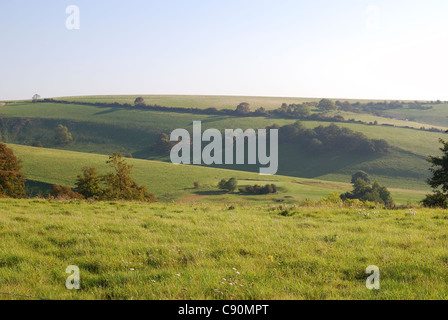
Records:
x=175, y=182
x=103, y=130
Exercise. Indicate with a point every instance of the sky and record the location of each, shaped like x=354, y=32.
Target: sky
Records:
x=288, y=48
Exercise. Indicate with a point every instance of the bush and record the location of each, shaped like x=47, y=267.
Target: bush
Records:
x=37, y=144
x=196, y=185
x=89, y=183
x=256, y=189
x=435, y=200
x=64, y=193
x=229, y=185
x=333, y=198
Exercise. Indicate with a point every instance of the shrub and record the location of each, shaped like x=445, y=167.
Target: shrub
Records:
x=196, y=185
x=435, y=200
x=256, y=189
x=89, y=183
x=333, y=198
x=64, y=193
x=37, y=144
x=229, y=185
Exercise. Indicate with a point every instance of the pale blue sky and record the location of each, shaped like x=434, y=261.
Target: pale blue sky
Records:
x=324, y=48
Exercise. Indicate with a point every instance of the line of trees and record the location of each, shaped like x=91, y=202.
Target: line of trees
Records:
x=291, y=111
x=257, y=189
x=331, y=138
x=115, y=185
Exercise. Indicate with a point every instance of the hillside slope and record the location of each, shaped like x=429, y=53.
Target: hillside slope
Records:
x=175, y=182
x=104, y=130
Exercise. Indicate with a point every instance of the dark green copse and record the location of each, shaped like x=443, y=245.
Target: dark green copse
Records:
x=363, y=191
x=62, y=135
x=229, y=185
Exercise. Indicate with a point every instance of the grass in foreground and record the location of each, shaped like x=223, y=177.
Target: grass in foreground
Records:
x=159, y=251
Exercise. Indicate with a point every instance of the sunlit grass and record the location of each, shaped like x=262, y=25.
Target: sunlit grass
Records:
x=159, y=251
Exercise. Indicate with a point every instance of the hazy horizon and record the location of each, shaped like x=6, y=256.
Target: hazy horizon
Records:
x=372, y=50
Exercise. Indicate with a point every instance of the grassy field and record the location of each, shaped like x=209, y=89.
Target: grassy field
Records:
x=105, y=130
x=175, y=183
x=201, y=101
x=160, y=251
x=437, y=116
x=392, y=121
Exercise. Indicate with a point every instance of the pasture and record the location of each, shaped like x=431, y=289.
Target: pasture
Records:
x=168, y=251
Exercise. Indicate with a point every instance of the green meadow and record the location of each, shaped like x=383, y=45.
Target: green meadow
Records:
x=213, y=251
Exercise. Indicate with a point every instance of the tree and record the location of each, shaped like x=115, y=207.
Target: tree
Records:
x=89, y=183
x=229, y=185
x=163, y=144
x=139, y=101
x=62, y=135
x=326, y=105
x=243, y=108
x=360, y=175
x=120, y=185
x=261, y=111
x=439, y=179
x=439, y=169
x=12, y=182
x=35, y=98
x=363, y=191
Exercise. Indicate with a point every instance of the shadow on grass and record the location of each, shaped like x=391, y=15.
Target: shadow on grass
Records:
x=110, y=110
x=211, y=193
